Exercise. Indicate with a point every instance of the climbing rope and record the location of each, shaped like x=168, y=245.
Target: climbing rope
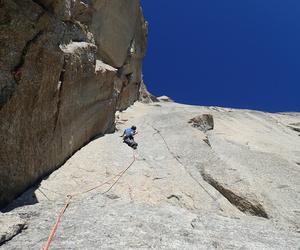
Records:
x=43, y=194
x=71, y=196
x=121, y=174
x=179, y=161
x=53, y=231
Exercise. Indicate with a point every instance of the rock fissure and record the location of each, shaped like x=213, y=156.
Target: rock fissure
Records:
x=60, y=89
x=17, y=69
x=206, y=140
x=158, y=178
x=173, y=196
x=44, y=194
x=7, y=91
x=244, y=205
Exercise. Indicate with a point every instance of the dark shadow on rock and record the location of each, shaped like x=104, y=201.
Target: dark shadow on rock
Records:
x=28, y=197
x=25, y=199
x=296, y=129
x=247, y=206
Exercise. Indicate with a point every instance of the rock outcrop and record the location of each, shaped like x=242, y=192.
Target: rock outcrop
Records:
x=145, y=95
x=65, y=67
x=203, y=122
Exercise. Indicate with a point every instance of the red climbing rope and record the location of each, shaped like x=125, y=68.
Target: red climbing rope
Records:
x=53, y=231
x=122, y=173
x=69, y=198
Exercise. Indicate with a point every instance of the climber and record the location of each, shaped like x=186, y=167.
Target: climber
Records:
x=128, y=137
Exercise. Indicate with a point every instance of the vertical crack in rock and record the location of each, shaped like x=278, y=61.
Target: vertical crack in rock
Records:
x=17, y=69
x=60, y=87
x=239, y=202
x=7, y=91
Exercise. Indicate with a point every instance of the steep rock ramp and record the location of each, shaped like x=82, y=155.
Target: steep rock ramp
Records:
x=185, y=190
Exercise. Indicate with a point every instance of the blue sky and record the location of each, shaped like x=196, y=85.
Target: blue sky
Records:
x=230, y=53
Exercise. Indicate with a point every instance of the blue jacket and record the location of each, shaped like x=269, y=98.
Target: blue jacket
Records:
x=129, y=132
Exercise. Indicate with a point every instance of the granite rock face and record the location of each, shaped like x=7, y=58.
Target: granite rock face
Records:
x=114, y=224
x=235, y=186
x=65, y=68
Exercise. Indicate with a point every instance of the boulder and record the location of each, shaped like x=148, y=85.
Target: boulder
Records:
x=164, y=99
x=203, y=122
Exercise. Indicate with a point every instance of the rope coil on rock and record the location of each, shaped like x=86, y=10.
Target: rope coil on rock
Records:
x=70, y=197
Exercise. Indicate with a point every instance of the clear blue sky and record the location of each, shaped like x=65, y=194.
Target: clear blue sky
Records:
x=230, y=53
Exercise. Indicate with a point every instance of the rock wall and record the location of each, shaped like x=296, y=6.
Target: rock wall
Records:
x=66, y=66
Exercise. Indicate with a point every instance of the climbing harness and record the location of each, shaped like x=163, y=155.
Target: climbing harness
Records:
x=71, y=196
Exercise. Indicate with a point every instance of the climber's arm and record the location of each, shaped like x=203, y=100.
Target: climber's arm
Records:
x=123, y=134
